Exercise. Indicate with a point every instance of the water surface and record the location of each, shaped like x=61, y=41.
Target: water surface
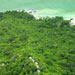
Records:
x=64, y=8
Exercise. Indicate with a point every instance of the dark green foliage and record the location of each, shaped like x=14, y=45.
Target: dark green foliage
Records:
x=54, y=22
x=21, y=15
x=50, y=41
x=1, y=16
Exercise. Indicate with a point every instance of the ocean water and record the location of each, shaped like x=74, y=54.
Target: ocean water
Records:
x=50, y=8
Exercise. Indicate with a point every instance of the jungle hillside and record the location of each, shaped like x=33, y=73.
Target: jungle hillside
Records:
x=49, y=41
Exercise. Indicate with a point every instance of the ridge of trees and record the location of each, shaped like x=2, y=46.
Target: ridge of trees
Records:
x=50, y=41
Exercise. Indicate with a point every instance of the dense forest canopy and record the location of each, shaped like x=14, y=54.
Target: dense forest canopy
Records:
x=50, y=41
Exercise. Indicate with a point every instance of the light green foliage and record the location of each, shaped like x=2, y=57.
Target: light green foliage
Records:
x=50, y=41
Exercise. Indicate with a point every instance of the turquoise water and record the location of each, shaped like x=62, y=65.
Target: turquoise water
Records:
x=64, y=8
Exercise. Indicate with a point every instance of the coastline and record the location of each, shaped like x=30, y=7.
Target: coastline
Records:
x=34, y=13
x=38, y=16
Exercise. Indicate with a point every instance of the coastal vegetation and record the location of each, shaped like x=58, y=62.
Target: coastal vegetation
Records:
x=49, y=41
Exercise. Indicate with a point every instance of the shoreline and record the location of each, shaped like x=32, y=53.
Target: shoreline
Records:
x=33, y=12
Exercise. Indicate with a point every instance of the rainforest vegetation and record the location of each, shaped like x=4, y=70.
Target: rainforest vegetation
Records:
x=50, y=41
